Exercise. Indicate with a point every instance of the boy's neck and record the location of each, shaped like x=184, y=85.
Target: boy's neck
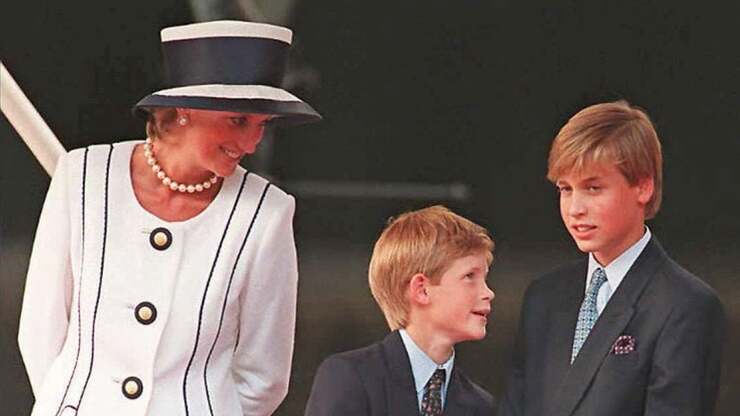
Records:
x=438, y=348
x=606, y=258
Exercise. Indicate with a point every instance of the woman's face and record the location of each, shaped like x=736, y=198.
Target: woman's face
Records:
x=217, y=140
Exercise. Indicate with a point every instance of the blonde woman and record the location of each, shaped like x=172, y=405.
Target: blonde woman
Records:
x=163, y=275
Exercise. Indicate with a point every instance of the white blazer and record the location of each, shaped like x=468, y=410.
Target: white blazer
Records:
x=127, y=314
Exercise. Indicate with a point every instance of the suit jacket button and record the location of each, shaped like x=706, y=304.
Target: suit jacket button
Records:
x=132, y=388
x=160, y=238
x=145, y=313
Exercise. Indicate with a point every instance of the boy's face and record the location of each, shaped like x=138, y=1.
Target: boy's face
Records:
x=603, y=213
x=461, y=301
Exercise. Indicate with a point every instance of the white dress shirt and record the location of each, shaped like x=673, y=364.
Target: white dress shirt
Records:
x=616, y=270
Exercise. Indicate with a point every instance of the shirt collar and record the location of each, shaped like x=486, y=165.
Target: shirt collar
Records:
x=422, y=366
x=618, y=268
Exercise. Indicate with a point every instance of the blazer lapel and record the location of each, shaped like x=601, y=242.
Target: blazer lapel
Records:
x=458, y=400
x=402, y=399
x=556, y=363
x=608, y=327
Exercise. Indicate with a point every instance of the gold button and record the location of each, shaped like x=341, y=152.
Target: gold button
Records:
x=160, y=239
x=145, y=313
x=131, y=387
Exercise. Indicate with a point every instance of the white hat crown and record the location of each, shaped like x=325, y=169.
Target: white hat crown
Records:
x=227, y=28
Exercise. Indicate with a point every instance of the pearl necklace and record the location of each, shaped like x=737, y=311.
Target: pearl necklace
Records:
x=166, y=180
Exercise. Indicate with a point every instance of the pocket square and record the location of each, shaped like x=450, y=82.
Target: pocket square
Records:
x=625, y=344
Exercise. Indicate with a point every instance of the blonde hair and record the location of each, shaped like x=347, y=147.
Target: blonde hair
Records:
x=159, y=121
x=426, y=241
x=614, y=132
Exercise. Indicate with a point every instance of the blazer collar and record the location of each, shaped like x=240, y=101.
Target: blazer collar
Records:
x=402, y=396
x=460, y=398
x=402, y=399
x=608, y=327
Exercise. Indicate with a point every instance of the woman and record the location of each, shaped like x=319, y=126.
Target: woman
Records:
x=163, y=275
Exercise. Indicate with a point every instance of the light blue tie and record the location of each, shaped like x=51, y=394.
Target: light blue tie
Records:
x=588, y=314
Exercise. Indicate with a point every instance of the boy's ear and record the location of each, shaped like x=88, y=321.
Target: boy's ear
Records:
x=645, y=189
x=418, y=289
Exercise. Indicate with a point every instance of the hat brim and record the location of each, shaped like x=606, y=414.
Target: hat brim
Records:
x=239, y=99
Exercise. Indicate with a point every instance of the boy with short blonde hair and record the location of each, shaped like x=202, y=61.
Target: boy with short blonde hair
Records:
x=611, y=133
x=424, y=241
x=427, y=273
x=626, y=330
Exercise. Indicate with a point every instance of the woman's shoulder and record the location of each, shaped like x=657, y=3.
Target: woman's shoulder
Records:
x=271, y=195
x=78, y=165
x=100, y=148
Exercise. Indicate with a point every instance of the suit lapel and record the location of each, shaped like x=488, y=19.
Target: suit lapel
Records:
x=459, y=400
x=556, y=364
x=402, y=393
x=608, y=327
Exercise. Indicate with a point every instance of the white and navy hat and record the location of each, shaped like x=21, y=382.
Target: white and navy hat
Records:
x=228, y=66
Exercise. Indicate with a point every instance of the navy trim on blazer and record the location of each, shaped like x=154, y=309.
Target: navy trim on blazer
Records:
x=226, y=297
x=238, y=334
x=203, y=301
x=79, y=286
x=100, y=282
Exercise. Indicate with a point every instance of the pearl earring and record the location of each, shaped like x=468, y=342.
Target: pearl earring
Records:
x=182, y=120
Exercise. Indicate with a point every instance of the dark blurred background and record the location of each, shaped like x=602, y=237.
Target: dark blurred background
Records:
x=424, y=102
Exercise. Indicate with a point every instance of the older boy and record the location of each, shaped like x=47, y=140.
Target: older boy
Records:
x=626, y=331
x=428, y=274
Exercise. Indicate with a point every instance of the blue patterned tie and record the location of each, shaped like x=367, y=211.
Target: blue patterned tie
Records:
x=431, y=403
x=588, y=314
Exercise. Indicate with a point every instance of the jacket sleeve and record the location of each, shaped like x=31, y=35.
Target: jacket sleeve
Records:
x=685, y=371
x=337, y=390
x=48, y=292
x=264, y=349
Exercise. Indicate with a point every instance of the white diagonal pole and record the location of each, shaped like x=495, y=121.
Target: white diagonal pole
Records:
x=28, y=123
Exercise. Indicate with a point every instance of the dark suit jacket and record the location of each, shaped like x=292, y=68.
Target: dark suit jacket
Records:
x=377, y=381
x=676, y=320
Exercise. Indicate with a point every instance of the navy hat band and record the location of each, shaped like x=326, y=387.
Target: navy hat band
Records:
x=225, y=60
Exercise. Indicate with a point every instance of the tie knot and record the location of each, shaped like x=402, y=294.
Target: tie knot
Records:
x=597, y=279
